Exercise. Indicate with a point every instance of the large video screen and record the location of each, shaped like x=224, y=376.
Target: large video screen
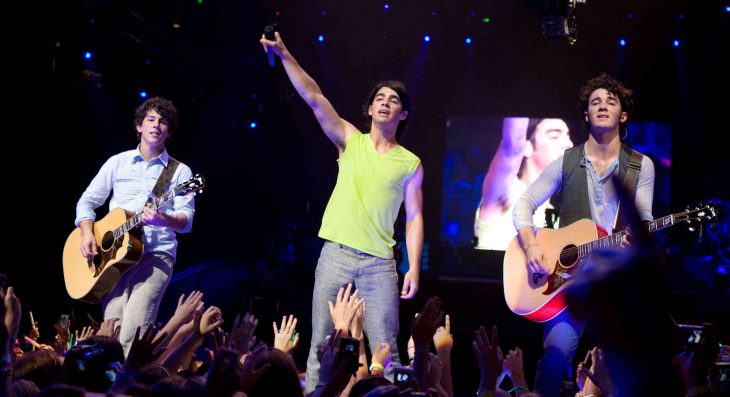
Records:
x=473, y=142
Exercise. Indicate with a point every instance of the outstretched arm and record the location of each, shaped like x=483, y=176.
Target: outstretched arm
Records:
x=337, y=129
x=414, y=232
x=504, y=167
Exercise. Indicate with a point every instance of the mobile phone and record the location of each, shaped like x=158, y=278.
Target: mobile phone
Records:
x=350, y=346
x=402, y=376
x=691, y=334
x=63, y=321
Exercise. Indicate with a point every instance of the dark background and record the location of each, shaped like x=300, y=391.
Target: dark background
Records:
x=254, y=244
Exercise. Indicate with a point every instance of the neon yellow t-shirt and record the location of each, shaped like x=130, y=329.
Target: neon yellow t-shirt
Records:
x=364, y=205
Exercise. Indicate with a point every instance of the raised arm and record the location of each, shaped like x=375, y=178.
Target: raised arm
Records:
x=337, y=129
x=504, y=167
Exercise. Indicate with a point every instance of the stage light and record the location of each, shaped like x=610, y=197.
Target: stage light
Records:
x=252, y=125
x=676, y=43
x=427, y=38
x=88, y=55
x=386, y=6
x=727, y=8
x=486, y=20
x=468, y=40
x=143, y=94
x=200, y=1
x=148, y=62
x=320, y=38
x=58, y=44
x=622, y=42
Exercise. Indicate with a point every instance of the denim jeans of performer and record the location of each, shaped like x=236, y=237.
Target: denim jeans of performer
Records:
x=560, y=340
x=136, y=298
x=377, y=282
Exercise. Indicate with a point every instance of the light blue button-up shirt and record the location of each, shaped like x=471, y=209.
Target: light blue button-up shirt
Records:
x=602, y=193
x=131, y=179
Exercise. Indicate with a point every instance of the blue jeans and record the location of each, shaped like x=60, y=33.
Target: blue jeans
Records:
x=377, y=282
x=136, y=298
x=560, y=341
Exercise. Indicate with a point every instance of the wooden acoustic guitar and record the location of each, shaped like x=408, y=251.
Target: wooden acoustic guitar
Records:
x=542, y=297
x=120, y=248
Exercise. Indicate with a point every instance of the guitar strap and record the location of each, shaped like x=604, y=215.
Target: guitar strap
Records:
x=164, y=179
x=631, y=178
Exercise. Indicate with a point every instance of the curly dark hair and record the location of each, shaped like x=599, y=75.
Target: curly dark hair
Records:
x=615, y=87
x=164, y=107
x=400, y=88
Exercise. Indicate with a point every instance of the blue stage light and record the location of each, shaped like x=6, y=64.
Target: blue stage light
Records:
x=622, y=42
x=88, y=55
x=676, y=43
x=320, y=38
x=143, y=94
x=426, y=38
x=468, y=40
x=386, y=6
x=253, y=124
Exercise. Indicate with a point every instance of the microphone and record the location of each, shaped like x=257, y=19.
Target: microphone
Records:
x=269, y=35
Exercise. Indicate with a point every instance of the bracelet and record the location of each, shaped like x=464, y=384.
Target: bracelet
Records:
x=520, y=388
x=377, y=367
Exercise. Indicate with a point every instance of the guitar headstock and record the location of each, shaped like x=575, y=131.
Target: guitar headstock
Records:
x=699, y=214
x=193, y=185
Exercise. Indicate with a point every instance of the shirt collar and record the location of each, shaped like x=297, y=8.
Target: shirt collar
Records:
x=163, y=158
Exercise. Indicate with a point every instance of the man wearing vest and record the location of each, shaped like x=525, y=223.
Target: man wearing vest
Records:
x=133, y=176
x=586, y=176
x=375, y=176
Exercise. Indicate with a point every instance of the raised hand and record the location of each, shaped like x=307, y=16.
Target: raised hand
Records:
x=286, y=338
x=344, y=308
x=382, y=355
x=108, y=327
x=143, y=350
x=487, y=354
x=242, y=337
x=442, y=338
x=424, y=325
x=86, y=333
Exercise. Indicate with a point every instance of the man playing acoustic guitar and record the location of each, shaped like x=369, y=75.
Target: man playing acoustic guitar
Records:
x=132, y=175
x=586, y=176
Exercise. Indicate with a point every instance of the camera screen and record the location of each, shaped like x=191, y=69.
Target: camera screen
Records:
x=695, y=337
x=401, y=377
x=721, y=373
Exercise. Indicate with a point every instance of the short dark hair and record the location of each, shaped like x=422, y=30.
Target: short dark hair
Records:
x=163, y=106
x=615, y=87
x=400, y=88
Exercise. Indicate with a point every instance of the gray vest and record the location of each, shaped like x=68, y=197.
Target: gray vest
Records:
x=573, y=202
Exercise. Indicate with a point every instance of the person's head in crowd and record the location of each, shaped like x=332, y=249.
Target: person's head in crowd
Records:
x=93, y=363
x=23, y=388
x=281, y=379
x=42, y=367
x=364, y=385
x=179, y=385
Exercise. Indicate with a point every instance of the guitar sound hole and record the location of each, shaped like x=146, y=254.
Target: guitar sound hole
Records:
x=569, y=256
x=107, y=241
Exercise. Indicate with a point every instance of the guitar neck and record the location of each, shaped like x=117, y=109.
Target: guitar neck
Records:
x=615, y=239
x=136, y=219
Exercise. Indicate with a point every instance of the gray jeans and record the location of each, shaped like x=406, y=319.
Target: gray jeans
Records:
x=136, y=298
x=377, y=282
